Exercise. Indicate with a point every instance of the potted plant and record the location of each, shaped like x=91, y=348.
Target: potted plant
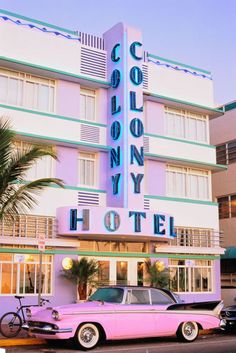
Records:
x=82, y=272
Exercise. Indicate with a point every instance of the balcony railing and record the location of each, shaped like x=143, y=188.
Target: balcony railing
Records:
x=228, y=280
x=28, y=226
x=194, y=237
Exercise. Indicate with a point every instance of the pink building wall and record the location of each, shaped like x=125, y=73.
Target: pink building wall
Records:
x=68, y=98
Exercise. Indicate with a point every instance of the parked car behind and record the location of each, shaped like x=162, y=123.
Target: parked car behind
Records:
x=124, y=312
x=229, y=315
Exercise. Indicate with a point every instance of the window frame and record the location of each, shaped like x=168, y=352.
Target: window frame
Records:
x=186, y=181
x=48, y=262
x=225, y=157
x=87, y=92
x=189, y=270
x=186, y=115
x=96, y=172
x=229, y=205
x=28, y=78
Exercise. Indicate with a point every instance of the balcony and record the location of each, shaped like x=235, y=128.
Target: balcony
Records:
x=28, y=226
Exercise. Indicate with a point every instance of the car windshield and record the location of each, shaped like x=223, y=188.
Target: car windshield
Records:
x=109, y=295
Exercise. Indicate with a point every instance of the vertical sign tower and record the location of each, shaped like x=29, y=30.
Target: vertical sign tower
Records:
x=125, y=119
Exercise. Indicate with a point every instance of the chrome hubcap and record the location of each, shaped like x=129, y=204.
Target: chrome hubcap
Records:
x=189, y=329
x=87, y=335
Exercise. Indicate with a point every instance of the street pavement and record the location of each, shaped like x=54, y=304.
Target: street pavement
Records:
x=210, y=343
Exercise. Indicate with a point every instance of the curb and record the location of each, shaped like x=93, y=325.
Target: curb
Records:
x=28, y=341
x=21, y=342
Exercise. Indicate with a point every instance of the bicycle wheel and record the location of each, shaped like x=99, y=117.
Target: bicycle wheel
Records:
x=10, y=324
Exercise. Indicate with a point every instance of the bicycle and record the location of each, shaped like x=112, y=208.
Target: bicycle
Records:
x=11, y=322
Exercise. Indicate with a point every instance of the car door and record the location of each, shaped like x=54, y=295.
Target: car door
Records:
x=135, y=318
x=165, y=321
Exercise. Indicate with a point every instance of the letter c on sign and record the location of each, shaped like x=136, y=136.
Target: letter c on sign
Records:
x=115, y=58
x=133, y=50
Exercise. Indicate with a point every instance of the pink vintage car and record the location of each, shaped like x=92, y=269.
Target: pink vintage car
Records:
x=120, y=312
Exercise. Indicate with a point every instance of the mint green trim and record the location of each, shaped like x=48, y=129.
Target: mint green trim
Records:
x=71, y=142
x=178, y=63
x=190, y=161
x=180, y=140
x=68, y=187
x=54, y=70
x=78, y=188
x=38, y=22
x=50, y=115
x=178, y=199
x=194, y=105
x=107, y=254
x=230, y=106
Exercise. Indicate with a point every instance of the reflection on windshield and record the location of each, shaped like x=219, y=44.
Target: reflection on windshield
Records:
x=109, y=295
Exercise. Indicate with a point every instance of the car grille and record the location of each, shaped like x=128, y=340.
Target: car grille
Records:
x=41, y=324
x=228, y=314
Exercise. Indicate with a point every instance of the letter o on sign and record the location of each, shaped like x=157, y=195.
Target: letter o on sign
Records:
x=136, y=75
x=112, y=221
x=115, y=130
x=136, y=127
x=115, y=78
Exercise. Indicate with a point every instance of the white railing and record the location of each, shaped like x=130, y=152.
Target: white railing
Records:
x=197, y=238
x=28, y=226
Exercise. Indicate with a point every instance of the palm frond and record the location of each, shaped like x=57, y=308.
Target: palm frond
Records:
x=6, y=138
x=18, y=200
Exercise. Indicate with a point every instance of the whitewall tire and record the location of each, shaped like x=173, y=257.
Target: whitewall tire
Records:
x=87, y=336
x=188, y=331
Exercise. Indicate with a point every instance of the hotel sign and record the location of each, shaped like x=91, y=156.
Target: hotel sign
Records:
x=120, y=221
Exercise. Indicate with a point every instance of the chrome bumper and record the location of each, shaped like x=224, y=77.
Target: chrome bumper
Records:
x=47, y=329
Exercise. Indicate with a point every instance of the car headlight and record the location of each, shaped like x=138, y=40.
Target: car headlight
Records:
x=56, y=315
x=28, y=313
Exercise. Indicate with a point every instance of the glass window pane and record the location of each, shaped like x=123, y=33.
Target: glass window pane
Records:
x=121, y=272
x=43, y=97
x=13, y=91
x=6, y=278
x=3, y=89
x=223, y=207
x=30, y=94
x=221, y=154
x=90, y=108
x=233, y=205
x=160, y=298
x=82, y=107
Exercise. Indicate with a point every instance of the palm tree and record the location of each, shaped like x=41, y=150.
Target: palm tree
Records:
x=16, y=195
x=157, y=275
x=82, y=273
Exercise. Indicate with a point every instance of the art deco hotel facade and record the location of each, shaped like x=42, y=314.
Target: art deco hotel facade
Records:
x=131, y=133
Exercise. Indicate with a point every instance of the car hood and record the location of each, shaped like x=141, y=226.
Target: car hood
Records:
x=229, y=308
x=42, y=314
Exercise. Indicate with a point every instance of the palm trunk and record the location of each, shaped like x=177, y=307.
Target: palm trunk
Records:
x=82, y=290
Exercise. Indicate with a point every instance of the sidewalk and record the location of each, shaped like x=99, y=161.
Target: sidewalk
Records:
x=22, y=339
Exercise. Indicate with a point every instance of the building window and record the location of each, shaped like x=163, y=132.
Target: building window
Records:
x=43, y=168
x=227, y=206
x=87, y=105
x=21, y=89
x=186, y=125
x=87, y=171
x=188, y=183
x=19, y=274
x=226, y=153
x=191, y=275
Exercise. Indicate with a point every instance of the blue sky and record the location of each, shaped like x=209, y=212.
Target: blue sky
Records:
x=200, y=33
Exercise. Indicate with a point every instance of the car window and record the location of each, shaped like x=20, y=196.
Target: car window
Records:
x=109, y=295
x=160, y=298
x=138, y=296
